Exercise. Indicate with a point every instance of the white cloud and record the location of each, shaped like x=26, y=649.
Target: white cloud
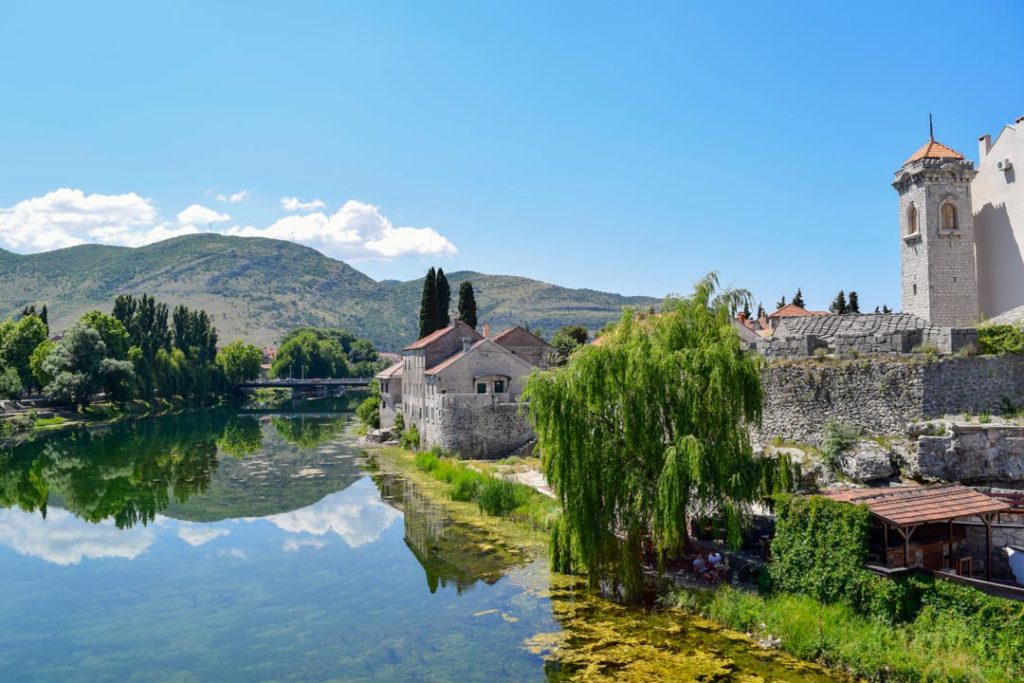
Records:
x=239, y=196
x=196, y=535
x=293, y=545
x=356, y=230
x=65, y=539
x=199, y=214
x=296, y=204
x=357, y=514
x=67, y=217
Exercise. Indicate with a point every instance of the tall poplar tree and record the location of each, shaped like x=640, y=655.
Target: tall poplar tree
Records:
x=428, y=305
x=444, y=300
x=853, y=303
x=648, y=429
x=467, y=304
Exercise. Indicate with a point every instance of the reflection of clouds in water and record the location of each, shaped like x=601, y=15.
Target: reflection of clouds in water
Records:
x=197, y=534
x=357, y=514
x=65, y=539
x=293, y=545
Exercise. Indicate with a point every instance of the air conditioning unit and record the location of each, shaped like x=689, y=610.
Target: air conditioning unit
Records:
x=1004, y=165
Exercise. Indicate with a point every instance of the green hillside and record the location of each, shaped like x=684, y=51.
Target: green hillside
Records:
x=258, y=289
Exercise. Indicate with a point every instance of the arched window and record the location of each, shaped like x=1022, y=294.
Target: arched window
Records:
x=912, y=220
x=949, y=216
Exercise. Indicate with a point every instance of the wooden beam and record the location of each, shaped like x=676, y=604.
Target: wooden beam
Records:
x=987, y=519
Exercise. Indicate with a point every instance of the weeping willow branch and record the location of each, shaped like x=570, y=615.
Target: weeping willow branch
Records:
x=648, y=426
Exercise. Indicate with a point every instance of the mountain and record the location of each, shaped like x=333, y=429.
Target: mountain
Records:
x=257, y=289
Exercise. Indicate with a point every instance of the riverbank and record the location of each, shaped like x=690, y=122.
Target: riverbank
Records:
x=600, y=639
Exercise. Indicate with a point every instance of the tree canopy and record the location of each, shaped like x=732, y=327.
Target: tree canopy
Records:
x=467, y=304
x=649, y=428
x=568, y=338
x=240, y=361
x=444, y=300
x=428, y=305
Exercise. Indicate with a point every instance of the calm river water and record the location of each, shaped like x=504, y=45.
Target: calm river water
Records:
x=228, y=546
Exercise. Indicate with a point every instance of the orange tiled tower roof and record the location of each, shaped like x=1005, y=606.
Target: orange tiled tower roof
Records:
x=934, y=150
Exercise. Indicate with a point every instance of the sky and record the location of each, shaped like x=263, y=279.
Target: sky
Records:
x=629, y=147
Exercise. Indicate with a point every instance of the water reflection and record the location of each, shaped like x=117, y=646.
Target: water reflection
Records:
x=356, y=514
x=64, y=539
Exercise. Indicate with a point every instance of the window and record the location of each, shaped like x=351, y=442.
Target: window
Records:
x=481, y=387
x=915, y=290
x=499, y=386
x=949, y=216
x=912, y=220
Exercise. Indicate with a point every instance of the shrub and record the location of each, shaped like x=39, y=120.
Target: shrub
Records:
x=399, y=423
x=369, y=411
x=410, y=438
x=426, y=461
x=836, y=438
x=1000, y=339
x=466, y=485
x=500, y=497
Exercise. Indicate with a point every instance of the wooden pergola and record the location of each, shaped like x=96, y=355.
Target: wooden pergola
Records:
x=904, y=510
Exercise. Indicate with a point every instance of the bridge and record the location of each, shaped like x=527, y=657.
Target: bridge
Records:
x=306, y=384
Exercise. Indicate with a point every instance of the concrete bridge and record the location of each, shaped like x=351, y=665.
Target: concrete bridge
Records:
x=306, y=384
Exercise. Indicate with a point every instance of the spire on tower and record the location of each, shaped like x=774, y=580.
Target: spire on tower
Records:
x=931, y=130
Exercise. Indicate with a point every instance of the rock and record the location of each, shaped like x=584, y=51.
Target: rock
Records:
x=866, y=461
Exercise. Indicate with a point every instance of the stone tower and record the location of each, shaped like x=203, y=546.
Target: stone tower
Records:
x=940, y=282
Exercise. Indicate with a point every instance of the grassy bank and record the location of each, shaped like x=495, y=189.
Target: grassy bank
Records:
x=937, y=646
x=94, y=415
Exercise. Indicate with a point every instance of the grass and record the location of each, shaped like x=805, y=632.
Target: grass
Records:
x=46, y=422
x=935, y=647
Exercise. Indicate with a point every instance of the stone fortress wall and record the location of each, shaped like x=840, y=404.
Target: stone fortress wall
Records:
x=477, y=425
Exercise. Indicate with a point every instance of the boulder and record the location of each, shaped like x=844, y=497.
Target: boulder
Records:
x=866, y=461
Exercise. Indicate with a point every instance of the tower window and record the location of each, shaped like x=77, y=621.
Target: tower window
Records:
x=915, y=290
x=949, y=216
x=912, y=220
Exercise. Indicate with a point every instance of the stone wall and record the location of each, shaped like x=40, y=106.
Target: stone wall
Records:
x=883, y=395
x=477, y=426
x=969, y=453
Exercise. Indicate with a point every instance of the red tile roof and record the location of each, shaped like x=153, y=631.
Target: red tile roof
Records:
x=434, y=336
x=794, y=311
x=391, y=371
x=904, y=506
x=934, y=150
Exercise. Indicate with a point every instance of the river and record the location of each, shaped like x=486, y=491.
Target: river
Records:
x=229, y=546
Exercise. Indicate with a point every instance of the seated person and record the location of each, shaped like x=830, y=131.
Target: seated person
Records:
x=701, y=568
x=715, y=564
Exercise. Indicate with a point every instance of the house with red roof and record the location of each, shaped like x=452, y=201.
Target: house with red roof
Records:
x=461, y=388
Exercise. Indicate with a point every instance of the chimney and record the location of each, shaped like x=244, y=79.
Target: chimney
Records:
x=741, y=316
x=466, y=343
x=487, y=330
x=984, y=145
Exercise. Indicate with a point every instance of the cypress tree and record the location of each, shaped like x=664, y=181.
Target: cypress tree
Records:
x=853, y=303
x=428, y=305
x=760, y=310
x=798, y=300
x=839, y=306
x=444, y=299
x=44, y=315
x=467, y=304
x=780, y=303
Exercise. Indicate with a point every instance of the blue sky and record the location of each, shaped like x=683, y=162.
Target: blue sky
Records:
x=622, y=146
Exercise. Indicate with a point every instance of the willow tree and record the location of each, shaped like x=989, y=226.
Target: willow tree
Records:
x=646, y=429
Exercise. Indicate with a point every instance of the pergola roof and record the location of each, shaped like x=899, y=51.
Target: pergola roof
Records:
x=921, y=504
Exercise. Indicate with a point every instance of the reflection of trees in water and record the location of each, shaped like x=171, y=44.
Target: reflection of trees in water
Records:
x=128, y=472
x=242, y=436
x=450, y=552
x=307, y=431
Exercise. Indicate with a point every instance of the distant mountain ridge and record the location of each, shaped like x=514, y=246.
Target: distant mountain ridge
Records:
x=257, y=289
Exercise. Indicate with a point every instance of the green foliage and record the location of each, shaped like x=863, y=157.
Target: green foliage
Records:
x=112, y=332
x=853, y=304
x=839, y=305
x=37, y=360
x=309, y=354
x=444, y=299
x=836, y=438
x=466, y=484
x=17, y=342
x=240, y=361
x=241, y=437
x=410, y=439
x=368, y=411
x=10, y=383
x=994, y=339
x=641, y=431
x=429, y=321
x=803, y=561
x=499, y=497
x=568, y=338
x=399, y=426
x=467, y=304
x=798, y=299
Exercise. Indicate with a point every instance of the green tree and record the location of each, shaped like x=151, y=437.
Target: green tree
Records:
x=308, y=355
x=568, y=338
x=17, y=343
x=886, y=309
x=798, y=299
x=76, y=365
x=112, y=332
x=428, y=305
x=780, y=303
x=760, y=311
x=647, y=429
x=240, y=361
x=467, y=304
x=368, y=410
x=839, y=306
x=37, y=362
x=444, y=300
x=242, y=436
x=10, y=383
x=853, y=303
